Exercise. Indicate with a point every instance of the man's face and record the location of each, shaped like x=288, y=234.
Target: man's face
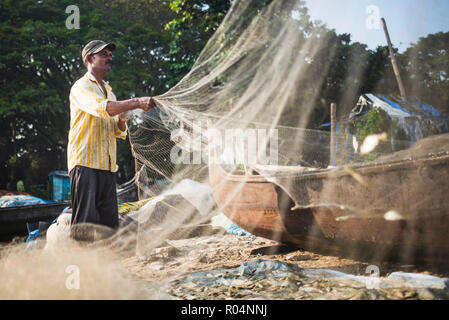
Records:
x=101, y=61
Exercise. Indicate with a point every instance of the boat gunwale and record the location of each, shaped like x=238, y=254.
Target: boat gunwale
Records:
x=34, y=206
x=367, y=168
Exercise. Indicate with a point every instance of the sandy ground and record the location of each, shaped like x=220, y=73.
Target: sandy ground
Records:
x=180, y=262
x=177, y=257
x=204, y=267
x=180, y=257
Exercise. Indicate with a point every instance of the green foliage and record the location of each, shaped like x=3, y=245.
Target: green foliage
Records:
x=194, y=23
x=40, y=59
x=374, y=121
x=427, y=70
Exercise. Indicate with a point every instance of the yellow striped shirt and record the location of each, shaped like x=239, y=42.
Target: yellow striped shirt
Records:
x=92, y=130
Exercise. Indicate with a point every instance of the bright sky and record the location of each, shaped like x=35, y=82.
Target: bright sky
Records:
x=407, y=20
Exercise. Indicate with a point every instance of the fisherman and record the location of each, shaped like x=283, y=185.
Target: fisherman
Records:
x=96, y=120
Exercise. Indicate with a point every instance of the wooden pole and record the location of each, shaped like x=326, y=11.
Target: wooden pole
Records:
x=393, y=62
x=333, y=133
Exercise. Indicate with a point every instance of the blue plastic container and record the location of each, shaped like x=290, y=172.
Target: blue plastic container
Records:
x=60, y=182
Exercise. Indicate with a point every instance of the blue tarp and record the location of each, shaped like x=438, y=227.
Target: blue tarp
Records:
x=235, y=229
x=21, y=200
x=222, y=221
x=393, y=104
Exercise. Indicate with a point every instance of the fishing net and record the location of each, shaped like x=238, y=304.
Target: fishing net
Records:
x=248, y=128
x=250, y=113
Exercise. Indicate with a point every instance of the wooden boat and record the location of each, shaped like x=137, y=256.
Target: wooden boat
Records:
x=393, y=209
x=13, y=220
x=390, y=209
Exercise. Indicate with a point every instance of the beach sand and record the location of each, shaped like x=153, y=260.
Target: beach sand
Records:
x=199, y=267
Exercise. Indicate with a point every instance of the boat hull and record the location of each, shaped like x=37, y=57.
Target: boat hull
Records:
x=13, y=220
x=396, y=209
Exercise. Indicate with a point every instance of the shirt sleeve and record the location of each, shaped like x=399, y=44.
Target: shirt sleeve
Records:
x=83, y=97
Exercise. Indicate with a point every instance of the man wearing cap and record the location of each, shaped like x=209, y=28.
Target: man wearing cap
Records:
x=96, y=120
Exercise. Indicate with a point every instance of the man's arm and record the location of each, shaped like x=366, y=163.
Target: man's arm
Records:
x=114, y=108
x=120, y=107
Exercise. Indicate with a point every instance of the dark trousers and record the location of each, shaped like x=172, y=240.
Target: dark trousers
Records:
x=94, y=196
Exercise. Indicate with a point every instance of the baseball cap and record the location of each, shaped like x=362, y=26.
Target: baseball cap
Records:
x=96, y=46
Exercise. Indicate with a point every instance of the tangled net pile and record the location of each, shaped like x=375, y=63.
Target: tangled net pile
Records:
x=248, y=105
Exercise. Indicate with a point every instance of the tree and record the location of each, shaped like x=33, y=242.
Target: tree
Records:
x=40, y=59
x=36, y=61
x=193, y=25
x=427, y=70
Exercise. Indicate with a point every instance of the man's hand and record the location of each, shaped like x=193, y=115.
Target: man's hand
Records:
x=124, y=116
x=121, y=124
x=146, y=103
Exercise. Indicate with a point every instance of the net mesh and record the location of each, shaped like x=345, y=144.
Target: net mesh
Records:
x=247, y=113
x=247, y=122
